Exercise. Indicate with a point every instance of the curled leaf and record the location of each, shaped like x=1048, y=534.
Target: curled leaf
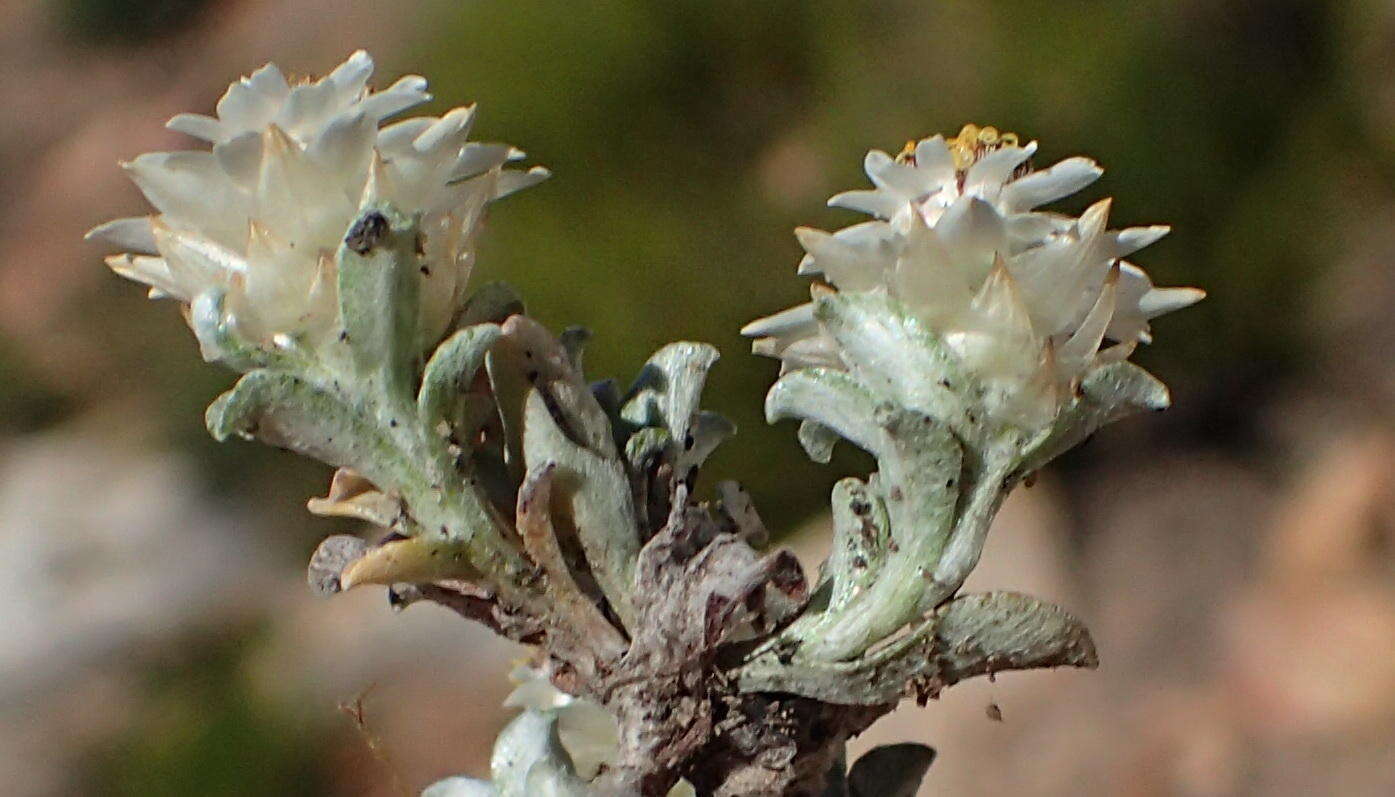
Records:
x=861, y=536
x=817, y=440
x=452, y=366
x=1109, y=392
x=352, y=496
x=287, y=411
x=426, y=557
x=330, y=559
x=668, y=389
x=970, y=635
x=592, y=492
x=527, y=358
x=581, y=615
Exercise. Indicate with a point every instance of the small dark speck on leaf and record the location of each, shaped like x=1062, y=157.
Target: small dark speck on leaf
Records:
x=994, y=712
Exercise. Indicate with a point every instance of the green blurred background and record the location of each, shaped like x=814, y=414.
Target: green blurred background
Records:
x=163, y=643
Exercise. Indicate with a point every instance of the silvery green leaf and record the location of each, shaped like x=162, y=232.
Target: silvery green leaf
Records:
x=285, y=410
x=219, y=340
x=970, y=635
x=861, y=536
x=644, y=451
x=526, y=357
x=1107, y=393
x=834, y=399
x=817, y=440
x=453, y=365
x=708, y=430
x=918, y=457
x=919, y=465
x=596, y=495
x=379, y=283
x=919, y=473
x=996, y=631
x=920, y=469
x=667, y=391
x=586, y=625
x=899, y=358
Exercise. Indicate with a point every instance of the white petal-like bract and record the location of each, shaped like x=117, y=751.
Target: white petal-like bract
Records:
x=1024, y=299
x=258, y=217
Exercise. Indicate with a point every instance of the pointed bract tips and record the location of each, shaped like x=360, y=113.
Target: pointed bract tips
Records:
x=958, y=242
x=289, y=166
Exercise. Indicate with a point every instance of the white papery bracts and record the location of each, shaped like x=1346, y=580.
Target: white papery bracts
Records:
x=556, y=746
x=1026, y=302
x=246, y=231
x=963, y=338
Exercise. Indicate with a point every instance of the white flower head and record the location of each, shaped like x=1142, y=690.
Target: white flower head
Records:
x=1025, y=299
x=556, y=746
x=587, y=731
x=257, y=217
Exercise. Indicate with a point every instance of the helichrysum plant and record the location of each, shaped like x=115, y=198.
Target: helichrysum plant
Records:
x=963, y=336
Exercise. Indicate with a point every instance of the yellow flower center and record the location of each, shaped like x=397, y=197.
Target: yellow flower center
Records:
x=972, y=143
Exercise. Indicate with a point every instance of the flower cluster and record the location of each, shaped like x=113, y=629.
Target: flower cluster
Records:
x=1024, y=299
x=256, y=219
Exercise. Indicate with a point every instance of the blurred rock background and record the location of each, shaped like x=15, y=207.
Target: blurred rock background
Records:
x=1234, y=556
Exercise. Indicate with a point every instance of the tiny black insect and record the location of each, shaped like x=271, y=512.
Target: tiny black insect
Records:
x=367, y=232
